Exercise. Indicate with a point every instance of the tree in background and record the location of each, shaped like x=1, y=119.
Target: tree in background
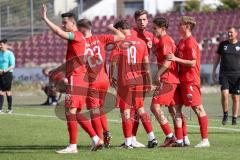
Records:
x=192, y=6
x=229, y=4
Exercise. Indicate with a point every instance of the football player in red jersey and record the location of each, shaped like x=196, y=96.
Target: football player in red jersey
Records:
x=131, y=58
x=167, y=91
x=140, y=31
x=97, y=75
x=74, y=101
x=189, y=74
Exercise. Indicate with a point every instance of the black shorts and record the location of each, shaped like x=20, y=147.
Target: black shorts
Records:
x=6, y=81
x=231, y=83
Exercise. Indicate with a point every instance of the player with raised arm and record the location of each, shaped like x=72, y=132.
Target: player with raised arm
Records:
x=167, y=81
x=97, y=75
x=131, y=57
x=74, y=102
x=189, y=75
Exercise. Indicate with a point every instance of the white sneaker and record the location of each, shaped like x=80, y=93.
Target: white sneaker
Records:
x=9, y=111
x=137, y=144
x=186, y=141
x=203, y=144
x=68, y=149
x=1, y=112
x=54, y=104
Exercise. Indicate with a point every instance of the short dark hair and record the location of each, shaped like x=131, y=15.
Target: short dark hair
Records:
x=3, y=41
x=161, y=22
x=140, y=12
x=86, y=23
x=69, y=15
x=123, y=24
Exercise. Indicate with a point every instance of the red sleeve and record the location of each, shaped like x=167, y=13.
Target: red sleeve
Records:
x=155, y=40
x=191, y=51
x=167, y=48
x=78, y=36
x=106, y=38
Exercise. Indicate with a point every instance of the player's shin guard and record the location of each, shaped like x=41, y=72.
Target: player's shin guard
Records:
x=146, y=121
x=184, y=125
x=203, y=123
x=86, y=125
x=135, y=122
x=96, y=124
x=72, y=128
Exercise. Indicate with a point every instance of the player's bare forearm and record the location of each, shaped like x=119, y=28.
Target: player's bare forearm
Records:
x=190, y=63
x=118, y=36
x=56, y=29
x=216, y=62
x=147, y=70
x=8, y=69
x=113, y=82
x=164, y=67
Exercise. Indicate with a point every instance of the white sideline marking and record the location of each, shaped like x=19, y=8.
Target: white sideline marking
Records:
x=117, y=121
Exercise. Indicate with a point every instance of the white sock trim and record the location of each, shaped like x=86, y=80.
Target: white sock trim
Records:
x=170, y=135
x=95, y=139
x=128, y=141
x=151, y=136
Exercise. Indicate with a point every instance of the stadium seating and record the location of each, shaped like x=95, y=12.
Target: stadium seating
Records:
x=47, y=47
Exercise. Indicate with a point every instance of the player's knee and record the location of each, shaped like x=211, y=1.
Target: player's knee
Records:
x=126, y=115
x=141, y=111
x=178, y=117
x=199, y=110
x=70, y=110
x=162, y=116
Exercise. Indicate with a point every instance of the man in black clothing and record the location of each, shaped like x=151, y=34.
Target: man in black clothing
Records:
x=229, y=76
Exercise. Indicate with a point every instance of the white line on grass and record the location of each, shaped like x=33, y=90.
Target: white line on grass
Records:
x=117, y=121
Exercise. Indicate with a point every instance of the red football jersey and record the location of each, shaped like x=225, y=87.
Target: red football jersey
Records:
x=96, y=57
x=129, y=56
x=146, y=36
x=165, y=47
x=188, y=49
x=75, y=49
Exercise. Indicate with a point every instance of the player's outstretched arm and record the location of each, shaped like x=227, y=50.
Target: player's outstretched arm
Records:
x=215, y=64
x=118, y=36
x=56, y=29
x=190, y=63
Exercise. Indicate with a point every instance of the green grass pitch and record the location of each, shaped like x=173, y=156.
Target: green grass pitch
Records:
x=33, y=132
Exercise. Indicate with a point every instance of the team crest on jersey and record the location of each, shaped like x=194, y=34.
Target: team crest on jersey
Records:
x=237, y=48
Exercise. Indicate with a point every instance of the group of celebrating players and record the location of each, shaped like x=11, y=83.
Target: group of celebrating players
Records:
x=176, y=83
